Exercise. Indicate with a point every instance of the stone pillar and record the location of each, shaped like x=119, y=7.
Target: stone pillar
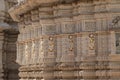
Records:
x=9, y=55
x=3, y=26
x=1, y=55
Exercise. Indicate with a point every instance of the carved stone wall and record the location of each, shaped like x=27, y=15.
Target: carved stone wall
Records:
x=67, y=40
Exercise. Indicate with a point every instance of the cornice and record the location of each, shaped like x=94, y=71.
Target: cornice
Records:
x=27, y=5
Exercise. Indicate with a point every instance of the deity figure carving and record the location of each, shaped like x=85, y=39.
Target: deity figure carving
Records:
x=51, y=45
x=71, y=46
x=92, y=41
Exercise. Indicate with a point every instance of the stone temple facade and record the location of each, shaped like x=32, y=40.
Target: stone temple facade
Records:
x=68, y=39
x=8, y=38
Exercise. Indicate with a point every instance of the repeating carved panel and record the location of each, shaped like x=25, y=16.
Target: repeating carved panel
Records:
x=89, y=26
x=68, y=48
x=78, y=26
x=68, y=27
x=48, y=29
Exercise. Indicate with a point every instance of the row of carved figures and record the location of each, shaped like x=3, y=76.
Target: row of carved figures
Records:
x=61, y=46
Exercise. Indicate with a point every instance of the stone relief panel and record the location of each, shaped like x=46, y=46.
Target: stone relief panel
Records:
x=36, y=51
x=79, y=47
x=98, y=24
x=58, y=27
x=68, y=48
x=115, y=21
x=26, y=54
x=27, y=19
x=117, y=43
x=21, y=25
x=71, y=49
x=33, y=52
x=100, y=6
x=103, y=41
x=85, y=8
x=41, y=51
x=105, y=24
x=89, y=26
x=51, y=46
x=114, y=5
x=59, y=49
x=63, y=10
x=29, y=53
x=91, y=41
x=113, y=42
x=35, y=15
x=48, y=29
x=21, y=54
x=78, y=25
x=101, y=24
x=49, y=49
x=68, y=27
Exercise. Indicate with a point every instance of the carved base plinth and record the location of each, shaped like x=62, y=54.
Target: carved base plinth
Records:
x=88, y=70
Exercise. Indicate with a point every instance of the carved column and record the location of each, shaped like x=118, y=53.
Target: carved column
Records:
x=2, y=18
x=1, y=55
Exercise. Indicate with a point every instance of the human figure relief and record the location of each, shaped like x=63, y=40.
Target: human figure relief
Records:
x=26, y=53
x=36, y=51
x=41, y=52
x=33, y=51
x=92, y=41
x=29, y=52
x=51, y=47
x=71, y=47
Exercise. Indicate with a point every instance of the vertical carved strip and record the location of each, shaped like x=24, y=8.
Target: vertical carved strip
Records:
x=59, y=49
x=79, y=49
x=91, y=42
x=113, y=43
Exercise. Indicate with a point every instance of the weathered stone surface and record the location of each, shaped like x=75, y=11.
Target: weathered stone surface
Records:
x=68, y=39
